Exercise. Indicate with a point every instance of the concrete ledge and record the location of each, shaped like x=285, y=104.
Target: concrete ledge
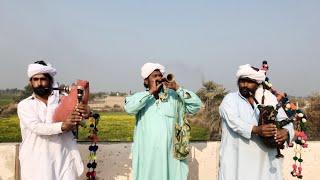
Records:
x=114, y=160
x=8, y=161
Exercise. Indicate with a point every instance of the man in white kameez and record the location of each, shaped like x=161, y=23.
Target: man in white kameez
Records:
x=48, y=150
x=243, y=156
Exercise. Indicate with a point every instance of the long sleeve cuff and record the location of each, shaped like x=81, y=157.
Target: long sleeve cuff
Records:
x=247, y=131
x=290, y=131
x=57, y=127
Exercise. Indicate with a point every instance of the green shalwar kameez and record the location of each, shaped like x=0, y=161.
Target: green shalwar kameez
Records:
x=152, y=150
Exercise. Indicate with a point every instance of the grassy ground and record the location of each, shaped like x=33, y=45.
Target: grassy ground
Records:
x=6, y=99
x=113, y=126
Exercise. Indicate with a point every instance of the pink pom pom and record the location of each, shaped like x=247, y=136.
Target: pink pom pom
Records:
x=300, y=168
x=302, y=134
x=305, y=145
x=294, y=166
x=305, y=137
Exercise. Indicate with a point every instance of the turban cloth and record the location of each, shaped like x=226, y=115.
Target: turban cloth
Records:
x=246, y=71
x=34, y=69
x=148, y=68
x=53, y=100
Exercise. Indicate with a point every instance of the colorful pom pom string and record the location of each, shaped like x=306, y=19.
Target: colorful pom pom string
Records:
x=93, y=148
x=298, y=119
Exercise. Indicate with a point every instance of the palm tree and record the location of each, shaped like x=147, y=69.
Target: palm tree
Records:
x=211, y=94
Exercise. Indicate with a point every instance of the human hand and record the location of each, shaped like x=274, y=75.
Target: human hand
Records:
x=71, y=122
x=266, y=130
x=172, y=85
x=154, y=85
x=84, y=109
x=281, y=136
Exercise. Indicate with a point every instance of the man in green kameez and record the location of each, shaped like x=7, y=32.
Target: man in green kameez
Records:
x=155, y=110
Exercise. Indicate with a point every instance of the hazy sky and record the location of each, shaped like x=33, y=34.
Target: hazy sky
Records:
x=107, y=42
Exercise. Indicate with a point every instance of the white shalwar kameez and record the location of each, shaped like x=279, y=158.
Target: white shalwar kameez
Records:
x=243, y=156
x=45, y=152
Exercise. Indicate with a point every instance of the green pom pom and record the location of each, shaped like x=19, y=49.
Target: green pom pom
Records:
x=295, y=158
x=300, y=160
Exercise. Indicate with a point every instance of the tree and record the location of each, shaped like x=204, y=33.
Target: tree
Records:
x=313, y=115
x=211, y=94
x=25, y=93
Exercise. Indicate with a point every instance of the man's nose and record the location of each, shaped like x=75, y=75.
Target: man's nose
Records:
x=38, y=83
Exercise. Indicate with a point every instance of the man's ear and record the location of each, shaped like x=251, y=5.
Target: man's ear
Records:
x=51, y=82
x=146, y=81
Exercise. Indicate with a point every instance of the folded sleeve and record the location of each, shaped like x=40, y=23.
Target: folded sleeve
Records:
x=191, y=100
x=133, y=104
x=29, y=118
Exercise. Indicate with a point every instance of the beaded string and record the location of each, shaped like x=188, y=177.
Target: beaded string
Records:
x=163, y=95
x=298, y=119
x=93, y=137
x=296, y=172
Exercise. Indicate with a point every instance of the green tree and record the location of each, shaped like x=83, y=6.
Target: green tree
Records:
x=25, y=93
x=211, y=94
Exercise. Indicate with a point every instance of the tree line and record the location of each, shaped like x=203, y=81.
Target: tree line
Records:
x=211, y=95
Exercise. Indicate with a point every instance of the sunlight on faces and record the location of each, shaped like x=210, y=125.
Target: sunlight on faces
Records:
x=156, y=75
x=39, y=82
x=247, y=85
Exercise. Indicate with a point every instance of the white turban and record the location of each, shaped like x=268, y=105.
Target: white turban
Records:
x=34, y=69
x=246, y=71
x=148, y=68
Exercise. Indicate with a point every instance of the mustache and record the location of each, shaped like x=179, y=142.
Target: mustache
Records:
x=42, y=88
x=245, y=92
x=245, y=89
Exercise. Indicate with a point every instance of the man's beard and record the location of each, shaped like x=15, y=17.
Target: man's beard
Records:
x=245, y=92
x=41, y=91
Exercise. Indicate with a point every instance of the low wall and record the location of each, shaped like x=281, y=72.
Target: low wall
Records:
x=114, y=161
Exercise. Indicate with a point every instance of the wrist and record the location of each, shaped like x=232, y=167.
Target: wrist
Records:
x=63, y=127
x=89, y=114
x=177, y=88
x=255, y=130
x=151, y=92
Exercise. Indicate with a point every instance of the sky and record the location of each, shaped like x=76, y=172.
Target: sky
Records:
x=107, y=42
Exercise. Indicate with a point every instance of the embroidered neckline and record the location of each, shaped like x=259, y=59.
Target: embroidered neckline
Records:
x=163, y=95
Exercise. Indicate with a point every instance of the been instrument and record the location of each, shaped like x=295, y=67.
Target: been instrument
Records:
x=77, y=94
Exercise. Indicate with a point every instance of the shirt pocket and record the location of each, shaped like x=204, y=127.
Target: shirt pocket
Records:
x=169, y=109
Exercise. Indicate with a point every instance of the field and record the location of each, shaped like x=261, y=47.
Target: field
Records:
x=6, y=99
x=113, y=126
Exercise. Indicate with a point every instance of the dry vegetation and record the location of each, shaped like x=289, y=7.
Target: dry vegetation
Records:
x=312, y=111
